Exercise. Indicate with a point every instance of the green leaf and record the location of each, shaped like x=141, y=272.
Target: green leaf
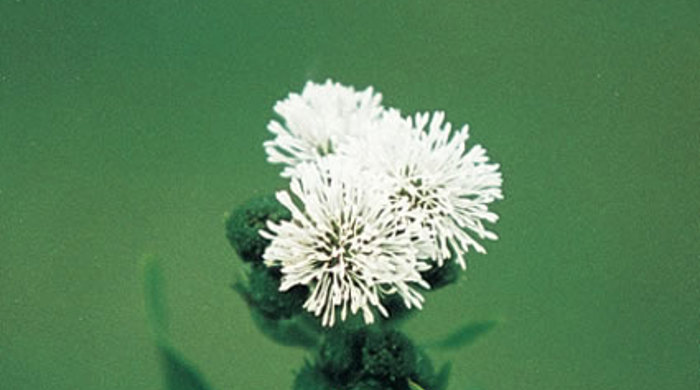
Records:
x=464, y=336
x=413, y=385
x=242, y=290
x=443, y=377
x=155, y=303
x=289, y=332
x=179, y=374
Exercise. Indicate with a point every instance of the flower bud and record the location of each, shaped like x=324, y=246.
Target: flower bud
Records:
x=244, y=223
x=264, y=293
x=388, y=355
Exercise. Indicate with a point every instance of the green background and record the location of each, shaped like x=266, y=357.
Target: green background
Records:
x=132, y=127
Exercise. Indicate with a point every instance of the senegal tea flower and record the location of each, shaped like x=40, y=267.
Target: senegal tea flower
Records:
x=345, y=242
x=317, y=120
x=447, y=187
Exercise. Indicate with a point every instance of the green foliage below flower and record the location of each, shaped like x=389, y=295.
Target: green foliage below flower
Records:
x=311, y=378
x=424, y=374
x=264, y=293
x=340, y=355
x=179, y=373
x=244, y=223
x=367, y=358
x=370, y=384
x=388, y=355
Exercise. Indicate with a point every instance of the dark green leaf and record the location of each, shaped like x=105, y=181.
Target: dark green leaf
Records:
x=289, y=332
x=180, y=375
x=155, y=303
x=242, y=290
x=442, y=378
x=293, y=332
x=464, y=336
x=413, y=385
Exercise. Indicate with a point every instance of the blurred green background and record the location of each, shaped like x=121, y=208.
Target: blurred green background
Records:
x=132, y=127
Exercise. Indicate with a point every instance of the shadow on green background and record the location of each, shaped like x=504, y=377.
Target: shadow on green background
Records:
x=132, y=127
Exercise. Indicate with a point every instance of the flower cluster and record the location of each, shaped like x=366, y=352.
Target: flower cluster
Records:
x=377, y=200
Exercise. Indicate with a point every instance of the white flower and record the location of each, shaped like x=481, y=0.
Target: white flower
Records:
x=447, y=186
x=317, y=120
x=344, y=242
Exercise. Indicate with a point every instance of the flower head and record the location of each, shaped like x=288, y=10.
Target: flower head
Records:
x=316, y=121
x=447, y=187
x=344, y=242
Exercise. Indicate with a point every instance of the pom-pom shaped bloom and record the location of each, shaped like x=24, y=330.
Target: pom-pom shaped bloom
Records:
x=344, y=242
x=447, y=187
x=317, y=120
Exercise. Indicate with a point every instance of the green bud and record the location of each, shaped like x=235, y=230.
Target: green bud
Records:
x=244, y=223
x=370, y=384
x=311, y=378
x=264, y=294
x=388, y=355
x=340, y=355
